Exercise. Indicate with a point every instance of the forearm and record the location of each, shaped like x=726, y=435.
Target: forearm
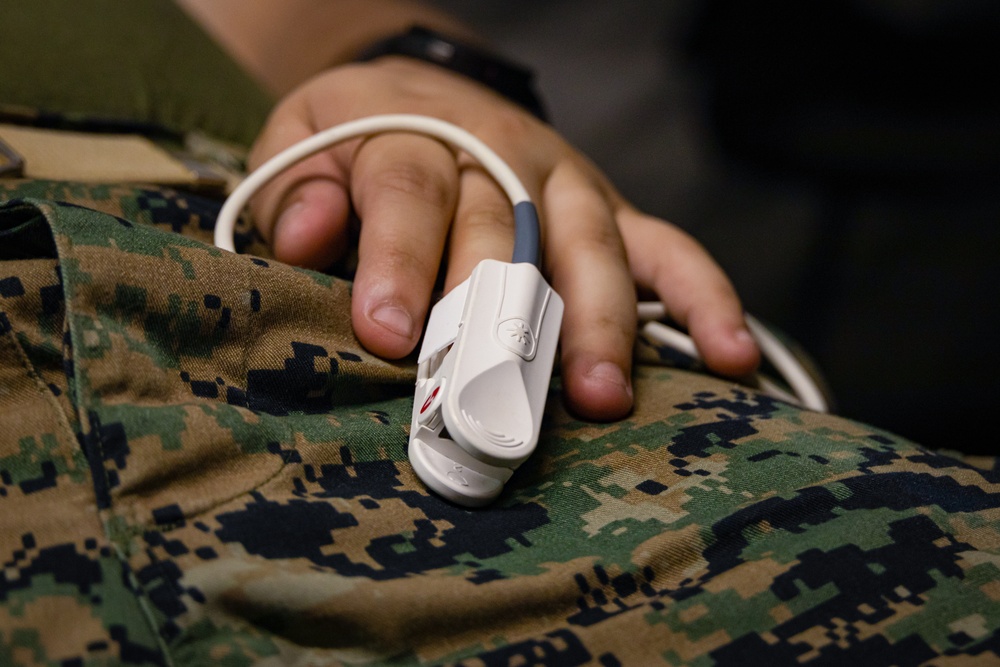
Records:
x=283, y=42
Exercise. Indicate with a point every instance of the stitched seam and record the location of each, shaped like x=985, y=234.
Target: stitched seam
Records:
x=40, y=386
x=64, y=248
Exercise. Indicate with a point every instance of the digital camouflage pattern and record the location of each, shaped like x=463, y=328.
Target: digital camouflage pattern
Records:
x=200, y=465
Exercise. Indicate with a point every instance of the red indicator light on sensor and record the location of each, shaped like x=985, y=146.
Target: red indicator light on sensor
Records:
x=430, y=399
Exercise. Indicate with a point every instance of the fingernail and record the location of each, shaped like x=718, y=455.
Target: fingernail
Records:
x=610, y=373
x=288, y=217
x=395, y=319
x=743, y=337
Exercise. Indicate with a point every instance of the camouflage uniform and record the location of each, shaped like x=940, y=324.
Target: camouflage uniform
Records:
x=200, y=465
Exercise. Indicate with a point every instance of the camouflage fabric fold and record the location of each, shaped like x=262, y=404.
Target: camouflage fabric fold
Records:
x=200, y=465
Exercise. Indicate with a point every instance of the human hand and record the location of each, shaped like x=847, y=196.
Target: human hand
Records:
x=421, y=204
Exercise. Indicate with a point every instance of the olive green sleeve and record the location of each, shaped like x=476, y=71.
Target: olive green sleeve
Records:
x=141, y=60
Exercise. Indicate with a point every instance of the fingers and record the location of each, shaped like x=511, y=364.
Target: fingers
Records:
x=405, y=190
x=586, y=259
x=484, y=225
x=304, y=211
x=693, y=288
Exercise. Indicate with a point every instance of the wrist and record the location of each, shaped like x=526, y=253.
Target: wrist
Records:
x=505, y=77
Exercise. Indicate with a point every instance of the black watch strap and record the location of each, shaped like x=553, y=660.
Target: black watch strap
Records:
x=511, y=80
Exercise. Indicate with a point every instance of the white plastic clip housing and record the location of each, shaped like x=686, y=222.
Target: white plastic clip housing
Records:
x=482, y=381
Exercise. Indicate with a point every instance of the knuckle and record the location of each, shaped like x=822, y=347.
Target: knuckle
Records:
x=610, y=327
x=512, y=122
x=399, y=261
x=414, y=181
x=601, y=240
x=605, y=334
x=488, y=219
x=511, y=129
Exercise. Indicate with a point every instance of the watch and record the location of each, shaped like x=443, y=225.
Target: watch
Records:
x=511, y=80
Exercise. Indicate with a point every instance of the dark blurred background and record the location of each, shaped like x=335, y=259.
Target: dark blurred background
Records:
x=840, y=159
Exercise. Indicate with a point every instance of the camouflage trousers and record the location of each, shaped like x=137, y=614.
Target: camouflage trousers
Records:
x=200, y=465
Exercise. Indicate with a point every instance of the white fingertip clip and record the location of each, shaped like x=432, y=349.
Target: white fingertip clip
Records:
x=489, y=346
x=482, y=380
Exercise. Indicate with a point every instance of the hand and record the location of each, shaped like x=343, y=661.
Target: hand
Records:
x=421, y=204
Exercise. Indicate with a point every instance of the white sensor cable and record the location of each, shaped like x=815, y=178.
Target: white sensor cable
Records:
x=526, y=241
x=807, y=393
